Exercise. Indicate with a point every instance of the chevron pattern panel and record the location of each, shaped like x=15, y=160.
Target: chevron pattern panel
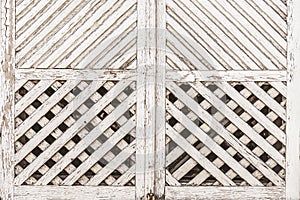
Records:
x=226, y=35
x=79, y=34
x=75, y=132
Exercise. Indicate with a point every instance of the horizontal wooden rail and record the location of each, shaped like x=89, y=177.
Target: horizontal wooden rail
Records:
x=180, y=76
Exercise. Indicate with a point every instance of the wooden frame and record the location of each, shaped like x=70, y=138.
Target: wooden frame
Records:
x=153, y=180
x=7, y=57
x=293, y=106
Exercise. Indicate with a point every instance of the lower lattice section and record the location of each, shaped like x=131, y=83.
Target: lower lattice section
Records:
x=75, y=132
x=226, y=133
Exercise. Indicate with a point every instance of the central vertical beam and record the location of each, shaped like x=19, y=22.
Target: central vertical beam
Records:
x=7, y=61
x=146, y=70
x=293, y=102
x=150, y=136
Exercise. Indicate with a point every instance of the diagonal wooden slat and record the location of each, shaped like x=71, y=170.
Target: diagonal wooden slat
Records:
x=231, y=47
x=42, y=110
x=202, y=160
x=96, y=108
x=105, y=30
x=246, y=105
x=234, y=142
x=269, y=101
x=171, y=180
x=33, y=94
x=211, y=144
x=126, y=177
x=123, y=32
x=113, y=164
x=101, y=151
x=242, y=125
x=64, y=30
x=86, y=141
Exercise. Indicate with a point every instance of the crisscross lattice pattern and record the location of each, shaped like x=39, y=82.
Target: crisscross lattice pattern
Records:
x=226, y=133
x=75, y=132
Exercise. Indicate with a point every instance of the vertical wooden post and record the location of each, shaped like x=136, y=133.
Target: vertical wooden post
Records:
x=293, y=105
x=145, y=135
x=160, y=128
x=150, y=137
x=7, y=98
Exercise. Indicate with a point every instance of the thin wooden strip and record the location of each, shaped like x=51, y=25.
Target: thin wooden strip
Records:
x=262, y=26
x=202, y=160
x=74, y=193
x=106, y=24
x=269, y=101
x=43, y=109
x=242, y=125
x=218, y=75
x=80, y=123
x=127, y=16
x=22, y=6
x=236, y=27
x=65, y=29
x=269, y=15
x=32, y=95
x=186, y=53
x=293, y=106
x=171, y=180
x=7, y=99
x=46, y=16
x=72, y=74
x=175, y=14
x=126, y=177
x=120, y=56
x=70, y=40
x=221, y=193
x=256, y=114
x=211, y=144
x=19, y=82
x=31, y=14
x=230, y=46
x=280, y=87
x=219, y=128
x=113, y=164
x=118, y=35
x=84, y=143
x=101, y=152
x=160, y=94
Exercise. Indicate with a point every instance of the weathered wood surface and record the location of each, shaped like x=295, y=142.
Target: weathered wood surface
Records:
x=293, y=107
x=7, y=65
x=73, y=193
x=221, y=193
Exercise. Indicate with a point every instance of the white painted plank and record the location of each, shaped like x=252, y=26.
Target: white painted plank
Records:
x=74, y=192
x=221, y=193
x=71, y=74
x=293, y=106
x=146, y=68
x=218, y=75
x=7, y=65
x=160, y=95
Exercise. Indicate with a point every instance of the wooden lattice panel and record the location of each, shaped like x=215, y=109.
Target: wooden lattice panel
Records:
x=76, y=34
x=226, y=133
x=220, y=34
x=75, y=132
